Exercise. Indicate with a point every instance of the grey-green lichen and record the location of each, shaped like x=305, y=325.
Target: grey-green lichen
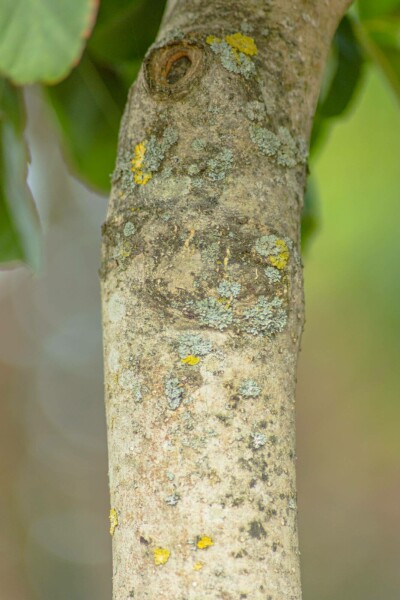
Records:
x=138, y=167
x=255, y=111
x=220, y=165
x=265, y=139
x=157, y=149
x=275, y=249
x=173, y=392
x=281, y=146
x=211, y=252
x=193, y=169
x=213, y=313
x=232, y=59
x=249, y=388
x=199, y=144
x=266, y=245
x=171, y=500
x=267, y=317
x=246, y=27
x=193, y=344
x=227, y=289
x=258, y=440
x=129, y=229
x=273, y=274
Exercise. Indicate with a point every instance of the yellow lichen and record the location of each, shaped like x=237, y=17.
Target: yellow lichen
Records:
x=198, y=566
x=211, y=39
x=204, y=542
x=139, y=176
x=225, y=301
x=242, y=43
x=280, y=260
x=191, y=359
x=113, y=520
x=138, y=155
x=125, y=250
x=161, y=556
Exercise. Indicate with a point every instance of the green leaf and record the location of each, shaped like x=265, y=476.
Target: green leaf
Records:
x=369, y=9
x=342, y=78
x=380, y=38
x=41, y=40
x=125, y=29
x=89, y=106
x=310, y=215
x=10, y=247
x=19, y=223
x=349, y=62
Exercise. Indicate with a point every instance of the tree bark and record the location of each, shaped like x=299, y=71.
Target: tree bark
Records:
x=203, y=300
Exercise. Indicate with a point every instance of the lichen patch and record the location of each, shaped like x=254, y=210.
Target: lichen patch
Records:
x=266, y=317
x=258, y=440
x=149, y=154
x=173, y=392
x=204, y=542
x=249, y=388
x=113, y=518
x=140, y=177
x=242, y=43
x=213, y=313
x=192, y=346
x=281, y=145
x=161, y=556
x=190, y=360
x=235, y=52
x=275, y=250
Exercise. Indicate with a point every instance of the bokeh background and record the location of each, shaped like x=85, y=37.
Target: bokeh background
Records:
x=54, y=540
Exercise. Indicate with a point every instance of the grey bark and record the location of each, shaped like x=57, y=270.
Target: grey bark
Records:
x=203, y=301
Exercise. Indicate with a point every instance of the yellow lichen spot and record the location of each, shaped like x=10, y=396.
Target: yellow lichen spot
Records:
x=204, y=542
x=211, y=39
x=242, y=43
x=190, y=360
x=225, y=301
x=138, y=155
x=126, y=250
x=161, y=556
x=113, y=520
x=140, y=177
x=227, y=257
x=198, y=566
x=280, y=260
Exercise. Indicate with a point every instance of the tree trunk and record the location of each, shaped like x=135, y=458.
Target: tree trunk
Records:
x=203, y=300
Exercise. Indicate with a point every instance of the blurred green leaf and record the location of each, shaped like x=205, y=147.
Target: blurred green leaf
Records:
x=348, y=71
x=42, y=39
x=125, y=29
x=369, y=9
x=10, y=247
x=19, y=223
x=310, y=215
x=378, y=31
x=89, y=106
x=342, y=79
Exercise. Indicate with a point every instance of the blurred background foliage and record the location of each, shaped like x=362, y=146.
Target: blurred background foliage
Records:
x=54, y=541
